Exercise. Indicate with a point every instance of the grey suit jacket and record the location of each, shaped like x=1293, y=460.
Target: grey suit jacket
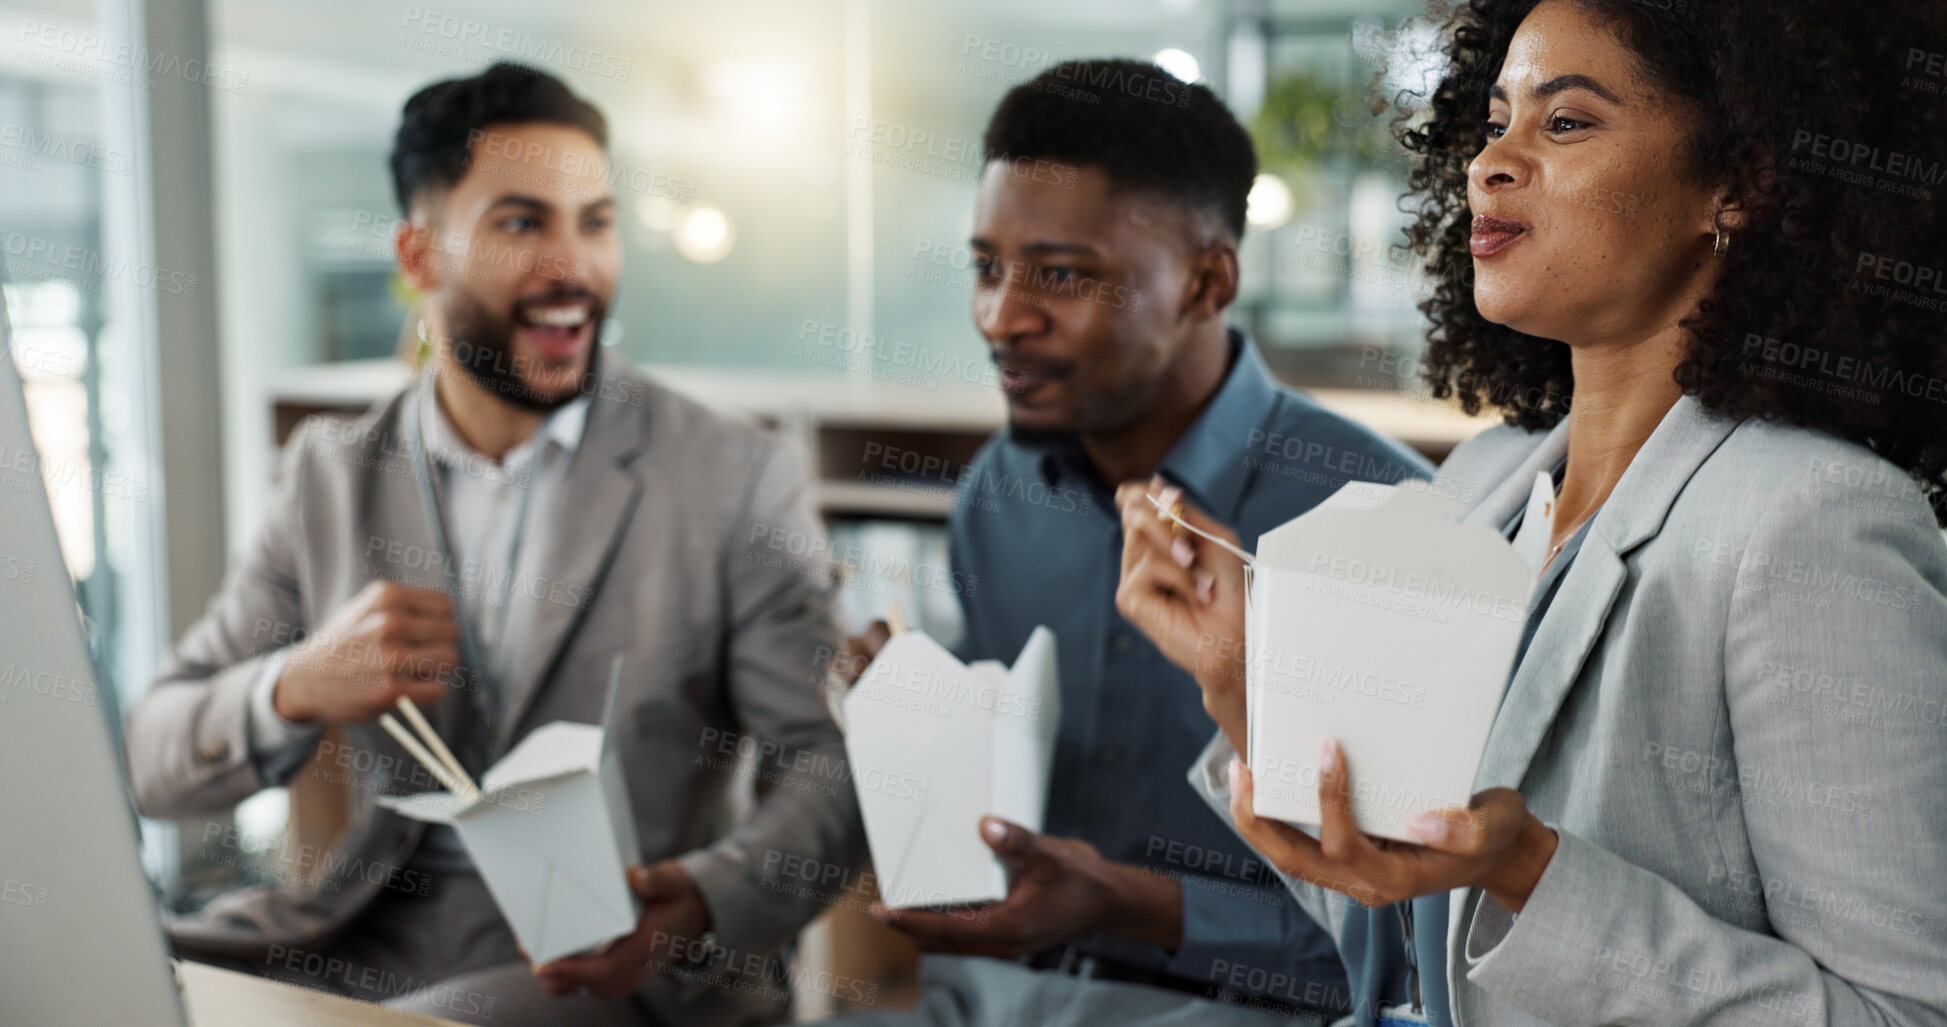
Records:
x=659, y=555
x=1732, y=714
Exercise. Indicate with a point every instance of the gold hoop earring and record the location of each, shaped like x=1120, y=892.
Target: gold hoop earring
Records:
x=1723, y=243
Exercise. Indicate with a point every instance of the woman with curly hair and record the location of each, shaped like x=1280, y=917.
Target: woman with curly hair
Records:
x=1691, y=249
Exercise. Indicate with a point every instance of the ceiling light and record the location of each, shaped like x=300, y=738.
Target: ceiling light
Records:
x=1269, y=204
x=1178, y=63
x=705, y=235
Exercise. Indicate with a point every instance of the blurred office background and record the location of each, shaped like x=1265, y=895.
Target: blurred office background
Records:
x=195, y=213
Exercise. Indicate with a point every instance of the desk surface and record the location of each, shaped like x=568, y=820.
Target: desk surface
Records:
x=225, y=998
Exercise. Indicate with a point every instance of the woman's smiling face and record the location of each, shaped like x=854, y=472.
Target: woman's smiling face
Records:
x=1590, y=224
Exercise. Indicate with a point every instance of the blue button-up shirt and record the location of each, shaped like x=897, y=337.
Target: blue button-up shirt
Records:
x=1040, y=534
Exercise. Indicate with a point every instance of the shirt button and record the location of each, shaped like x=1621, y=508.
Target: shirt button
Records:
x=1109, y=755
x=1121, y=642
x=213, y=752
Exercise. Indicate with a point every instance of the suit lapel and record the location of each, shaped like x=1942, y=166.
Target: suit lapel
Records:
x=397, y=513
x=1633, y=513
x=597, y=499
x=1511, y=489
x=1562, y=641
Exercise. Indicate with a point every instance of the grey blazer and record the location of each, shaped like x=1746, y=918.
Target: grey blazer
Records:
x=657, y=556
x=1732, y=714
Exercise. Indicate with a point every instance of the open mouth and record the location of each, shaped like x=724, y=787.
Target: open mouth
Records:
x=1493, y=233
x=558, y=330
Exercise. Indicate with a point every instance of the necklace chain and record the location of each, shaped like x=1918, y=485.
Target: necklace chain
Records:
x=1556, y=550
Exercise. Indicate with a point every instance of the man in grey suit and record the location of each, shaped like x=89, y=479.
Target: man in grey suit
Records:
x=485, y=543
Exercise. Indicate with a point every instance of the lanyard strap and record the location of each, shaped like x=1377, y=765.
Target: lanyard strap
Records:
x=1412, y=956
x=479, y=744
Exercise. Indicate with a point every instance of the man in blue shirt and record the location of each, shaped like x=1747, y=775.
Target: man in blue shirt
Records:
x=1106, y=232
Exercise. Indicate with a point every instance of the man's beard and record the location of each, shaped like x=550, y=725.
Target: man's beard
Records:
x=483, y=346
x=1039, y=438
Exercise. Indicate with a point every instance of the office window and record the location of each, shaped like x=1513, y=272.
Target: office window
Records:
x=1330, y=287
x=51, y=163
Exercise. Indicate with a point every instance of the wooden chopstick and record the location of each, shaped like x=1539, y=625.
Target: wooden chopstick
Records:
x=405, y=738
x=896, y=618
x=1175, y=514
x=431, y=737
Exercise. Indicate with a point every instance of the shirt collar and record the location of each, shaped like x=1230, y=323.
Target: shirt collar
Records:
x=563, y=428
x=566, y=425
x=1207, y=460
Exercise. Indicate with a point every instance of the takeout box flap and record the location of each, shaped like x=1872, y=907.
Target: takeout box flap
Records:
x=611, y=710
x=906, y=657
x=430, y=807
x=1036, y=666
x=550, y=750
x=1407, y=526
x=1025, y=720
x=562, y=747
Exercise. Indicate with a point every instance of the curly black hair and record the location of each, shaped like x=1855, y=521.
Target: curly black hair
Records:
x=441, y=122
x=1147, y=130
x=1830, y=131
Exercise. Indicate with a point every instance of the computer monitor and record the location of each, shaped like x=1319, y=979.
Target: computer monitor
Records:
x=81, y=939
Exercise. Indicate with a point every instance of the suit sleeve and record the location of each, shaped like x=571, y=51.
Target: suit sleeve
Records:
x=188, y=738
x=1850, y=857
x=781, y=627
x=1209, y=776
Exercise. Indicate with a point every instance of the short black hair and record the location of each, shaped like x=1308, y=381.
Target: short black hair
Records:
x=439, y=125
x=1146, y=129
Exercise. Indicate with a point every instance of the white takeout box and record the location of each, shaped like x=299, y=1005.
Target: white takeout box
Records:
x=1377, y=619
x=934, y=745
x=552, y=834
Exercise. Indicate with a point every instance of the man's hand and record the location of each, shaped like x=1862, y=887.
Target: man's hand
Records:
x=673, y=915
x=1062, y=889
x=855, y=653
x=387, y=641
x=1187, y=595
